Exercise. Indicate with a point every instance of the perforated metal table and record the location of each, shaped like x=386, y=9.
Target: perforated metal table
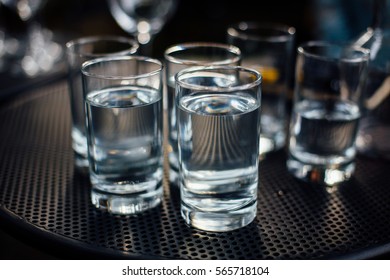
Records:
x=40, y=192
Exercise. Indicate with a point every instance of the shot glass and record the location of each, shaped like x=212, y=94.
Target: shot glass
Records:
x=374, y=130
x=268, y=48
x=123, y=103
x=179, y=57
x=327, y=107
x=77, y=52
x=218, y=135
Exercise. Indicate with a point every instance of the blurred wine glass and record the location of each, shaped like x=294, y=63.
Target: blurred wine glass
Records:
x=40, y=52
x=142, y=18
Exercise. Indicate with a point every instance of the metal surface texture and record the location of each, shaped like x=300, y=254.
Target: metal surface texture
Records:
x=39, y=186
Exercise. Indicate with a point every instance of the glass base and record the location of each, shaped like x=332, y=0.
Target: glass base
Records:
x=268, y=144
x=80, y=150
x=81, y=164
x=126, y=204
x=321, y=174
x=173, y=169
x=219, y=221
x=174, y=176
x=372, y=140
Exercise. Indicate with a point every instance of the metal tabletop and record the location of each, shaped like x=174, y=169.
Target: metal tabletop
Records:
x=41, y=193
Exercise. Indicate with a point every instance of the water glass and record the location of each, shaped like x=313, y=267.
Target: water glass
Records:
x=78, y=51
x=218, y=111
x=123, y=101
x=268, y=48
x=179, y=57
x=374, y=129
x=327, y=107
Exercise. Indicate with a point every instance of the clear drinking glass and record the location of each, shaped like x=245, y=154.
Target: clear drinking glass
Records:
x=268, y=48
x=218, y=134
x=374, y=130
x=326, y=112
x=123, y=100
x=179, y=57
x=142, y=18
x=78, y=51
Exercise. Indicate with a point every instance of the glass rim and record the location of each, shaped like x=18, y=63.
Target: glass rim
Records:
x=133, y=44
x=235, y=51
x=238, y=30
x=108, y=59
x=305, y=49
x=201, y=69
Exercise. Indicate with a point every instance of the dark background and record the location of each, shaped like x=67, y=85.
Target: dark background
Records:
x=194, y=20
x=207, y=20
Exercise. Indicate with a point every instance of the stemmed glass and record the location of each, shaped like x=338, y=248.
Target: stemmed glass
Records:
x=40, y=53
x=142, y=18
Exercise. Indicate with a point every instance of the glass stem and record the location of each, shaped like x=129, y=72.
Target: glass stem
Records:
x=379, y=14
x=145, y=41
